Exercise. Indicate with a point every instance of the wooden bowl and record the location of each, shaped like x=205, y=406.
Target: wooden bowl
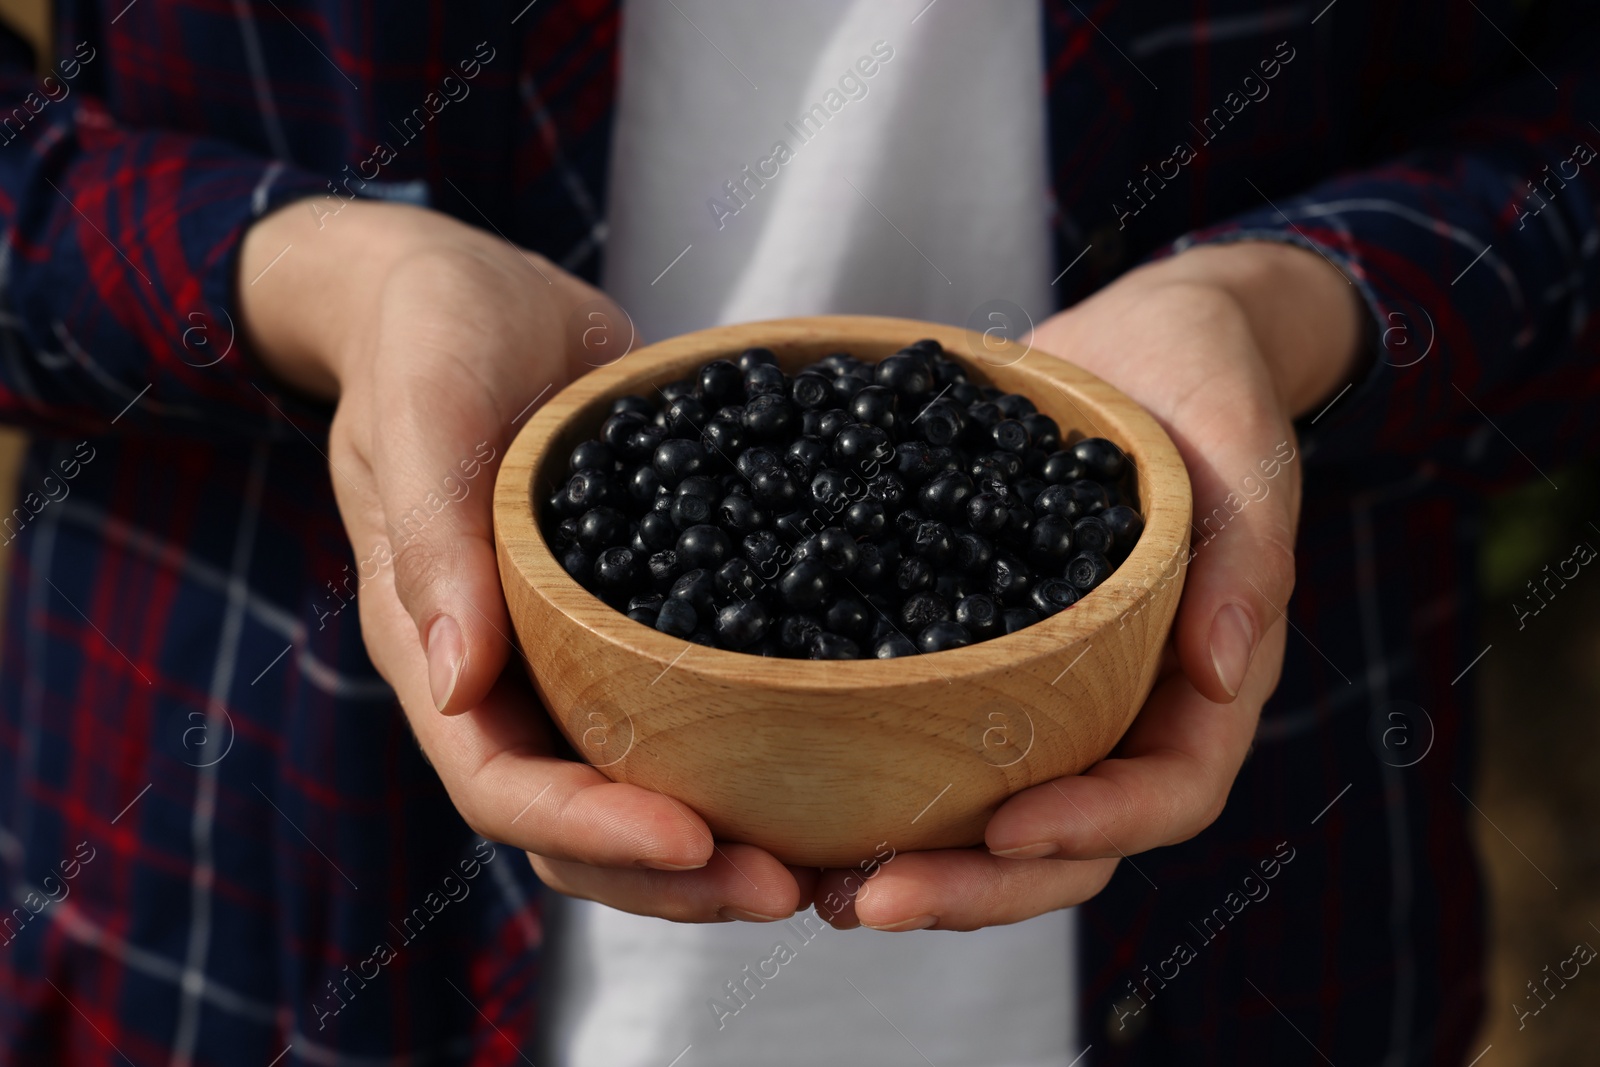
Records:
x=823, y=763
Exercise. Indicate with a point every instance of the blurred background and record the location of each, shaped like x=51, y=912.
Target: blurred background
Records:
x=1539, y=733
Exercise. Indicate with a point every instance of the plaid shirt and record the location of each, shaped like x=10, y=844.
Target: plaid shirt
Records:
x=212, y=812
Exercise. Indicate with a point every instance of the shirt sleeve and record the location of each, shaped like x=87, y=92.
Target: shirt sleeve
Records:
x=1478, y=256
x=117, y=290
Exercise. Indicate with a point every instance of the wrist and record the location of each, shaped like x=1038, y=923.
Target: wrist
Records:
x=300, y=277
x=1309, y=322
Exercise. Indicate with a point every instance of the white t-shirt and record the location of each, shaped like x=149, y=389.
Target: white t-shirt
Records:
x=911, y=181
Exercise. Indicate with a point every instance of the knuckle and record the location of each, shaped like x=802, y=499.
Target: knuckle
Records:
x=419, y=562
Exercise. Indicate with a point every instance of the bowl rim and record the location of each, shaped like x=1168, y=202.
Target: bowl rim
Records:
x=1164, y=492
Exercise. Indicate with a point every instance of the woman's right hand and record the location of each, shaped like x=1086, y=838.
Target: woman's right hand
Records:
x=433, y=336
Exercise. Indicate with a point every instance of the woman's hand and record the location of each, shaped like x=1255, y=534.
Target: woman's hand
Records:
x=1224, y=345
x=433, y=337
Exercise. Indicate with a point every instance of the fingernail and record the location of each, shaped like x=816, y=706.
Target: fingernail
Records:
x=1028, y=852
x=920, y=922
x=663, y=865
x=732, y=914
x=1233, y=643
x=445, y=651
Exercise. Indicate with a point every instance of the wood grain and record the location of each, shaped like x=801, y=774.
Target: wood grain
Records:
x=821, y=762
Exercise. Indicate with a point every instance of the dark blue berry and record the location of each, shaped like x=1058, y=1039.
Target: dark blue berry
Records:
x=723, y=439
x=743, y=624
x=618, y=428
x=685, y=417
x=829, y=489
x=1089, y=496
x=602, y=527
x=738, y=580
x=591, y=455
x=859, y=443
x=846, y=386
x=877, y=565
x=672, y=390
x=934, y=542
x=690, y=510
x=775, y=488
x=1050, y=543
x=894, y=646
x=757, y=357
x=875, y=406
x=986, y=512
x=906, y=374
x=578, y=563
x=1010, y=435
x=980, y=615
x=1009, y=579
x=616, y=570
x=806, y=585
x=888, y=489
x=762, y=549
x=741, y=515
x=866, y=518
x=642, y=485
x=656, y=531
x=913, y=575
x=1125, y=526
x=805, y=457
x=757, y=458
x=765, y=381
x=1027, y=489
x=1014, y=405
x=833, y=421
x=642, y=444
x=942, y=636
x=941, y=423
x=813, y=392
x=1103, y=460
x=698, y=587
x=913, y=462
x=973, y=552
x=795, y=631
x=770, y=417
x=633, y=405
x=1063, y=467
x=584, y=490
x=827, y=645
x=1014, y=619
x=703, y=546
x=1052, y=595
x=834, y=547
x=677, y=458
x=677, y=617
x=946, y=495
x=664, y=568
x=1087, y=570
x=721, y=382
x=923, y=608
x=1043, y=432
x=849, y=616
x=1093, y=535
x=565, y=535
x=1009, y=464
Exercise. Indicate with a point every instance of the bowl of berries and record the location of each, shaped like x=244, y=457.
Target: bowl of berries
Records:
x=838, y=582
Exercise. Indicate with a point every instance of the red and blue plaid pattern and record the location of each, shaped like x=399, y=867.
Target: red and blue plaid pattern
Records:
x=276, y=871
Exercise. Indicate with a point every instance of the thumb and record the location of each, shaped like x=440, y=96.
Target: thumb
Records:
x=445, y=418
x=1241, y=570
x=435, y=485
